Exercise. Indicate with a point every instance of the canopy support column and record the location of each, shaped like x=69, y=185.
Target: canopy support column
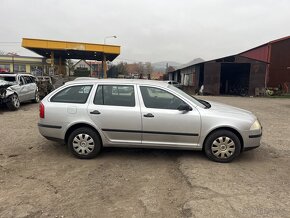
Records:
x=104, y=66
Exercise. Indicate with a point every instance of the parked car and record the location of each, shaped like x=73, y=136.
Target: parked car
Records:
x=174, y=83
x=17, y=88
x=90, y=114
x=45, y=85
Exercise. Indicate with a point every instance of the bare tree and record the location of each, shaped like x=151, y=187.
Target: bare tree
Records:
x=148, y=68
x=70, y=66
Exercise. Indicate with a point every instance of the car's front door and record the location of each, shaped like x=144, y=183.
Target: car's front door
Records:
x=115, y=109
x=163, y=123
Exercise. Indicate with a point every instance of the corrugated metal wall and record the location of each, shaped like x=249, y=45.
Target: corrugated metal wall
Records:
x=279, y=70
x=260, y=53
x=212, y=75
x=257, y=73
x=212, y=78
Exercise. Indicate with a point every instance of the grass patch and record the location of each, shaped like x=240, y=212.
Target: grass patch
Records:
x=280, y=96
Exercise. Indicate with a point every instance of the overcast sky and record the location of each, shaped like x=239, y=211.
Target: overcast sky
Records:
x=148, y=30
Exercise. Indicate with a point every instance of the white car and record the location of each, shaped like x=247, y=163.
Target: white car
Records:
x=17, y=88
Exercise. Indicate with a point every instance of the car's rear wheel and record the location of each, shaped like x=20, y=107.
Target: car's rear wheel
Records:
x=222, y=146
x=84, y=143
x=36, y=97
x=13, y=103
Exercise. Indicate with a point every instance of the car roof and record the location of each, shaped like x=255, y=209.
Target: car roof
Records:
x=120, y=81
x=15, y=74
x=84, y=78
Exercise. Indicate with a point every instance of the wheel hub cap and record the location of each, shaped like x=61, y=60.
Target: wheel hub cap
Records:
x=223, y=147
x=83, y=144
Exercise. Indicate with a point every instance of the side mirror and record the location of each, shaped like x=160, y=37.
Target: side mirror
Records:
x=184, y=107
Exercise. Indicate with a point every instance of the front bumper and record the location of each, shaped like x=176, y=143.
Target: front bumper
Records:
x=252, y=139
x=4, y=100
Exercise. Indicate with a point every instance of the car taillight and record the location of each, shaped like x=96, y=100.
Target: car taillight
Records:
x=41, y=110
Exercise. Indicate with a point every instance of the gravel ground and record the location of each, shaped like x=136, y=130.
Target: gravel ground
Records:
x=39, y=178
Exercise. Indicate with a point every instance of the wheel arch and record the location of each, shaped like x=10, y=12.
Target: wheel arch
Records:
x=225, y=128
x=79, y=125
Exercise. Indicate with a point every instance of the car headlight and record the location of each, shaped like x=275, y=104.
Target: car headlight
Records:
x=256, y=125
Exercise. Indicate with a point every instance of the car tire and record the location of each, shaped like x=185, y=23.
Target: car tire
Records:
x=36, y=97
x=13, y=103
x=222, y=146
x=84, y=143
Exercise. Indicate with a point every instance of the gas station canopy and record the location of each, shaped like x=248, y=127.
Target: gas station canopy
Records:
x=71, y=50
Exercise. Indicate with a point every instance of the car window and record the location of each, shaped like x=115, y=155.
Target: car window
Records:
x=32, y=79
x=27, y=79
x=115, y=95
x=73, y=94
x=22, y=80
x=158, y=98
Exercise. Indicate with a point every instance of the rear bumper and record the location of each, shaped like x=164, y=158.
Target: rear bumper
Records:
x=51, y=132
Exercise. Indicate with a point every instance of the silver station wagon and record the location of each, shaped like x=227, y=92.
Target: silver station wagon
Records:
x=90, y=114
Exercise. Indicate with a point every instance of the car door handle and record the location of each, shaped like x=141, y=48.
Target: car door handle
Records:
x=95, y=112
x=148, y=115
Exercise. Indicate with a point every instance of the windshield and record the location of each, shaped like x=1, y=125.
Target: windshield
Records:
x=185, y=95
x=8, y=78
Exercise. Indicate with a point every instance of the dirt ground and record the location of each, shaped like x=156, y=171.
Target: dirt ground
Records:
x=39, y=178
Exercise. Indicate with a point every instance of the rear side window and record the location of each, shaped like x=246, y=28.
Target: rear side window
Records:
x=115, y=95
x=73, y=94
x=32, y=79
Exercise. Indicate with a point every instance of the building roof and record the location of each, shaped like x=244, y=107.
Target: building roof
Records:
x=268, y=43
x=71, y=50
x=239, y=54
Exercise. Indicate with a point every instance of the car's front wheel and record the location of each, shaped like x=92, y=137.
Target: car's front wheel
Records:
x=84, y=143
x=13, y=103
x=222, y=146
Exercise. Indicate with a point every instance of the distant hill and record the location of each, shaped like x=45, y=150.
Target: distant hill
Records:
x=161, y=66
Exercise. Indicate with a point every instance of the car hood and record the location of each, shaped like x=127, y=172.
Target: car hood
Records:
x=224, y=108
x=5, y=84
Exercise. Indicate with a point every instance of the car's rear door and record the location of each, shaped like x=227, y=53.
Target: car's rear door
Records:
x=31, y=87
x=163, y=124
x=22, y=88
x=115, y=109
